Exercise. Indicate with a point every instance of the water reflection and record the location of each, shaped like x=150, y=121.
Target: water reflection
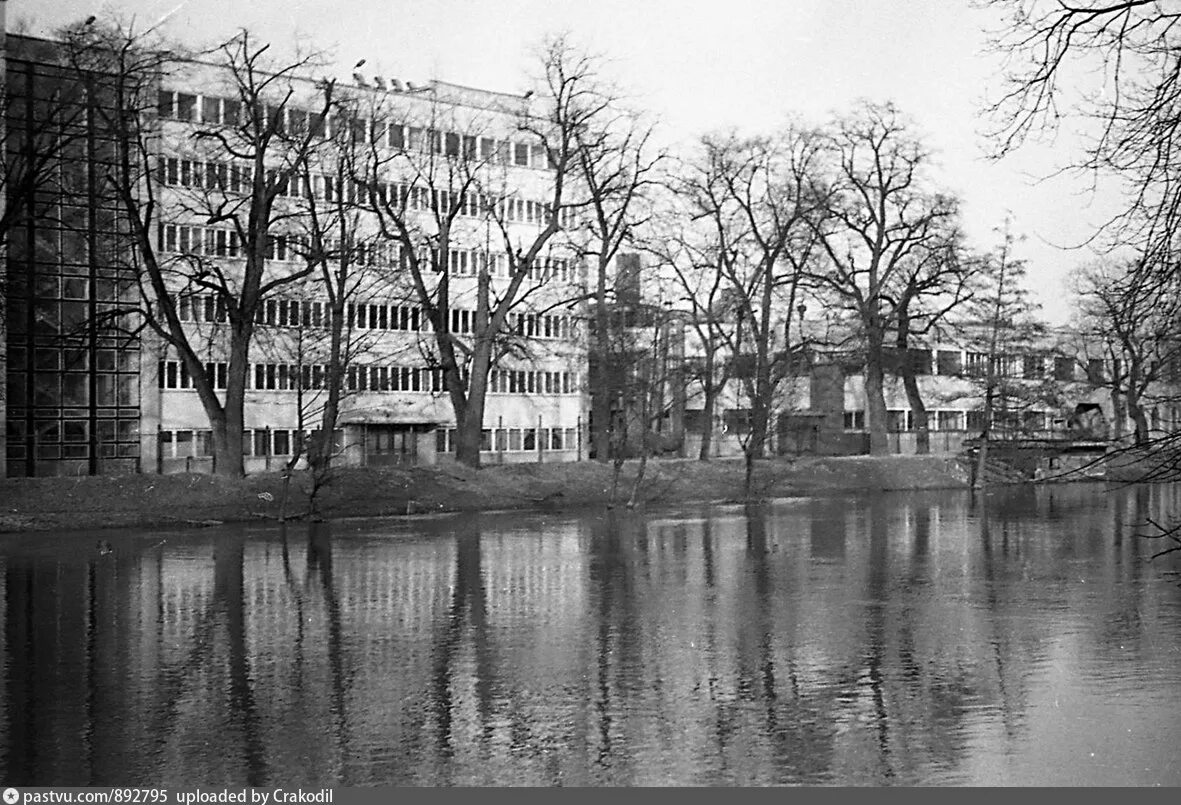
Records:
x=1016, y=637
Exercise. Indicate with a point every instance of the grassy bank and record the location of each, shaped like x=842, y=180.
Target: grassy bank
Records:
x=30, y=504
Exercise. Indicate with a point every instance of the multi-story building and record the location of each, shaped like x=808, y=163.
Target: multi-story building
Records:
x=71, y=401
x=84, y=401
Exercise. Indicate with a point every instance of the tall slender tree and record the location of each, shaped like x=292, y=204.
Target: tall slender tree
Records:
x=1002, y=307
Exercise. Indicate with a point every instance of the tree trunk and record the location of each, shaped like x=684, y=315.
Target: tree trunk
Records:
x=470, y=431
x=980, y=480
x=601, y=399
x=230, y=463
x=1139, y=418
x=922, y=429
x=707, y=425
x=320, y=454
x=1135, y=409
x=639, y=479
x=1118, y=412
x=918, y=408
x=875, y=400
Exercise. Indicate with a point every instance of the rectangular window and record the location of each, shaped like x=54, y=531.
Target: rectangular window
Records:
x=397, y=136
x=920, y=361
x=1095, y=371
x=897, y=421
x=1033, y=367
x=184, y=443
x=854, y=420
x=521, y=154
x=204, y=443
x=186, y=106
x=166, y=104
x=949, y=362
x=950, y=420
x=211, y=110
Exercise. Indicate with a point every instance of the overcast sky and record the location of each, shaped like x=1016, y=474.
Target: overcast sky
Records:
x=700, y=66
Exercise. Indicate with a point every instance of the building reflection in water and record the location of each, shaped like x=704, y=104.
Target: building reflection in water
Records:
x=918, y=638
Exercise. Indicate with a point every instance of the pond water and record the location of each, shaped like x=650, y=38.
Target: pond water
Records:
x=919, y=638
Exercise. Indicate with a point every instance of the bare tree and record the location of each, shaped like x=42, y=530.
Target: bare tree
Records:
x=615, y=169
x=882, y=216
x=351, y=264
x=1115, y=65
x=755, y=200
x=690, y=259
x=1135, y=322
x=40, y=132
x=1111, y=66
x=475, y=176
x=228, y=168
x=1001, y=305
x=933, y=284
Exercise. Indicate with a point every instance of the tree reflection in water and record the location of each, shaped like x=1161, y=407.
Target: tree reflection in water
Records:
x=922, y=638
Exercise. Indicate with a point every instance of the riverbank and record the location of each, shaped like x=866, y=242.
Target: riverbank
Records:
x=38, y=504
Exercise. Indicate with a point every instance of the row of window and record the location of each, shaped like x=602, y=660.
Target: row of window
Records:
x=237, y=177
x=903, y=420
x=224, y=242
x=523, y=381
x=256, y=442
x=952, y=362
x=195, y=108
x=197, y=240
x=72, y=390
x=528, y=325
x=314, y=314
x=287, y=442
x=73, y=431
x=72, y=287
x=472, y=262
x=513, y=439
x=278, y=376
x=292, y=377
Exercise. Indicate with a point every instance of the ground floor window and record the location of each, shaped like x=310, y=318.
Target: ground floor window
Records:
x=949, y=420
x=512, y=439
